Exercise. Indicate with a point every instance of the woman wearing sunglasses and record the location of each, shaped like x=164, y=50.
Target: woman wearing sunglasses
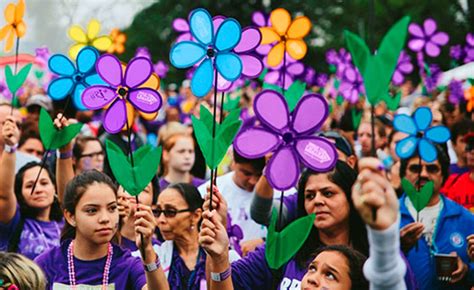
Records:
x=178, y=216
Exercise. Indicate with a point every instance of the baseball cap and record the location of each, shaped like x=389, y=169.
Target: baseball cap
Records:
x=340, y=141
x=40, y=100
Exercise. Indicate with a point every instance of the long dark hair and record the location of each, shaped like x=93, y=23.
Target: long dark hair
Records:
x=75, y=189
x=344, y=177
x=355, y=261
x=28, y=211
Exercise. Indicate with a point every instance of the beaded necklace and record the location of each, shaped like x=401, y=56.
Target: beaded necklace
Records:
x=72, y=272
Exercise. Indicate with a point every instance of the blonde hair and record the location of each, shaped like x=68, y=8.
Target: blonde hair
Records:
x=169, y=129
x=21, y=271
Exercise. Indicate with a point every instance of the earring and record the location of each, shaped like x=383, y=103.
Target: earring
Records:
x=192, y=227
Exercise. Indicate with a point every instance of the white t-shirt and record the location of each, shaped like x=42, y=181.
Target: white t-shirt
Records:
x=238, y=205
x=427, y=216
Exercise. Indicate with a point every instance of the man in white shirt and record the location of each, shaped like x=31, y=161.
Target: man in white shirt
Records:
x=237, y=188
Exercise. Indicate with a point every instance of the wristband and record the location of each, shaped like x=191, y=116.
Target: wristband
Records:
x=153, y=266
x=65, y=155
x=219, y=277
x=10, y=149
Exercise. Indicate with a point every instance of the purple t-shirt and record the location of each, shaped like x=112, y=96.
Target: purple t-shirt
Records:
x=132, y=246
x=36, y=236
x=194, y=181
x=126, y=271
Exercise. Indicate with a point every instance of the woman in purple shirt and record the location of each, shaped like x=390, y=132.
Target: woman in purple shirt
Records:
x=88, y=256
x=30, y=221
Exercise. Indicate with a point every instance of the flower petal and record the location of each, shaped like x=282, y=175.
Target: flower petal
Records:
x=422, y=117
x=309, y=114
x=429, y=26
x=138, y=71
x=61, y=65
x=115, y=117
x=59, y=88
x=316, y=153
x=440, y=38
x=416, y=44
x=145, y=100
x=222, y=84
x=153, y=82
x=275, y=56
x=93, y=29
x=184, y=37
x=259, y=18
x=432, y=49
x=9, y=13
x=256, y=142
x=296, y=48
x=77, y=34
x=77, y=97
x=217, y=21
x=186, y=54
x=251, y=38
x=427, y=151
x=283, y=170
x=405, y=124
x=201, y=26
x=19, y=11
x=271, y=109
x=300, y=27
x=280, y=19
x=295, y=68
x=202, y=80
x=228, y=35
x=252, y=65
x=97, y=97
x=94, y=79
x=180, y=25
x=86, y=59
x=3, y=32
x=9, y=42
x=438, y=134
x=268, y=35
x=74, y=50
x=110, y=69
x=406, y=147
x=21, y=29
x=272, y=77
x=229, y=65
x=102, y=43
x=416, y=30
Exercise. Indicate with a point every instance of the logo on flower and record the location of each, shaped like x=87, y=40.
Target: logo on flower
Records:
x=146, y=98
x=316, y=152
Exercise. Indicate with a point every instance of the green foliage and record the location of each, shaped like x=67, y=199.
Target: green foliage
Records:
x=53, y=138
x=419, y=199
x=14, y=82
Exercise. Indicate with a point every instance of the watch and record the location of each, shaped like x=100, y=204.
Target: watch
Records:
x=10, y=149
x=219, y=277
x=153, y=266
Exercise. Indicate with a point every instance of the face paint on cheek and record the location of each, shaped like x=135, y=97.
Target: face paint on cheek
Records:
x=87, y=164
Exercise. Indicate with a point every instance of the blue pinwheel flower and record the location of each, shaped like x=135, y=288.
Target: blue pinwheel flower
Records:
x=421, y=136
x=212, y=49
x=74, y=80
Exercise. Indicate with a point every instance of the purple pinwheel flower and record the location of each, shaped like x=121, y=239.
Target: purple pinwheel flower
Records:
x=260, y=19
x=309, y=76
x=403, y=68
x=42, y=55
x=469, y=48
x=161, y=69
x=343, y=62
x=322, y=79
x=352, y=85
x=456, y=52
x=122, y=87
x=181, y=26
x=332, y=57
x=143, y=51
x=431, y=80
x=427, y=38
x=289, y=136
x=456, y=92
x=275, y=74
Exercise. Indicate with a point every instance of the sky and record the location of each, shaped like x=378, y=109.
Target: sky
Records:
x=48, y=20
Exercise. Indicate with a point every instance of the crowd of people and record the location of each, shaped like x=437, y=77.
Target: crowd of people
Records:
x=66, y=223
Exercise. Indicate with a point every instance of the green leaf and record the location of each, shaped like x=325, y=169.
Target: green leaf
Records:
x=339, y=100
x=267, y=86
x=377, y=70
x=135, y=178
x=14, y=82
x=419, y=199
x=392, y=102
x=356, y=118
x=282, y=246
x=39, y=74
x=263, y=74
x=231, y=104
x=294, y=94
x=53, y=138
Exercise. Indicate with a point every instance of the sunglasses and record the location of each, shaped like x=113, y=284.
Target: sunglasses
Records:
x=430, y=168
x=169, y=213
x=92, y=155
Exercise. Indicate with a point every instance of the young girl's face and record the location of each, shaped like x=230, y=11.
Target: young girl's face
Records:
x=96, y=216
x=43, y=196
x=328, y=271
x=181, y=156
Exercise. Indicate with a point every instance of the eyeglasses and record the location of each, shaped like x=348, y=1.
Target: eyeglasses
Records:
x=430, y=168
x=169, y=213
x=92, y=155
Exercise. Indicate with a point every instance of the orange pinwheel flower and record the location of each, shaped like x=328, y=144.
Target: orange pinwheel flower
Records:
x=288, y=36
x=469, y=96
x=118, y=41
x=15, y=24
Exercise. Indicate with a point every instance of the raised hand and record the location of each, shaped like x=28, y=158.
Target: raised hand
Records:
x=10, y=132
x=213, y=236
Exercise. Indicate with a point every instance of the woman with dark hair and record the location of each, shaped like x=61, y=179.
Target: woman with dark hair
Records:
x=30, y=222
x=178, y=216
x=88, y=256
